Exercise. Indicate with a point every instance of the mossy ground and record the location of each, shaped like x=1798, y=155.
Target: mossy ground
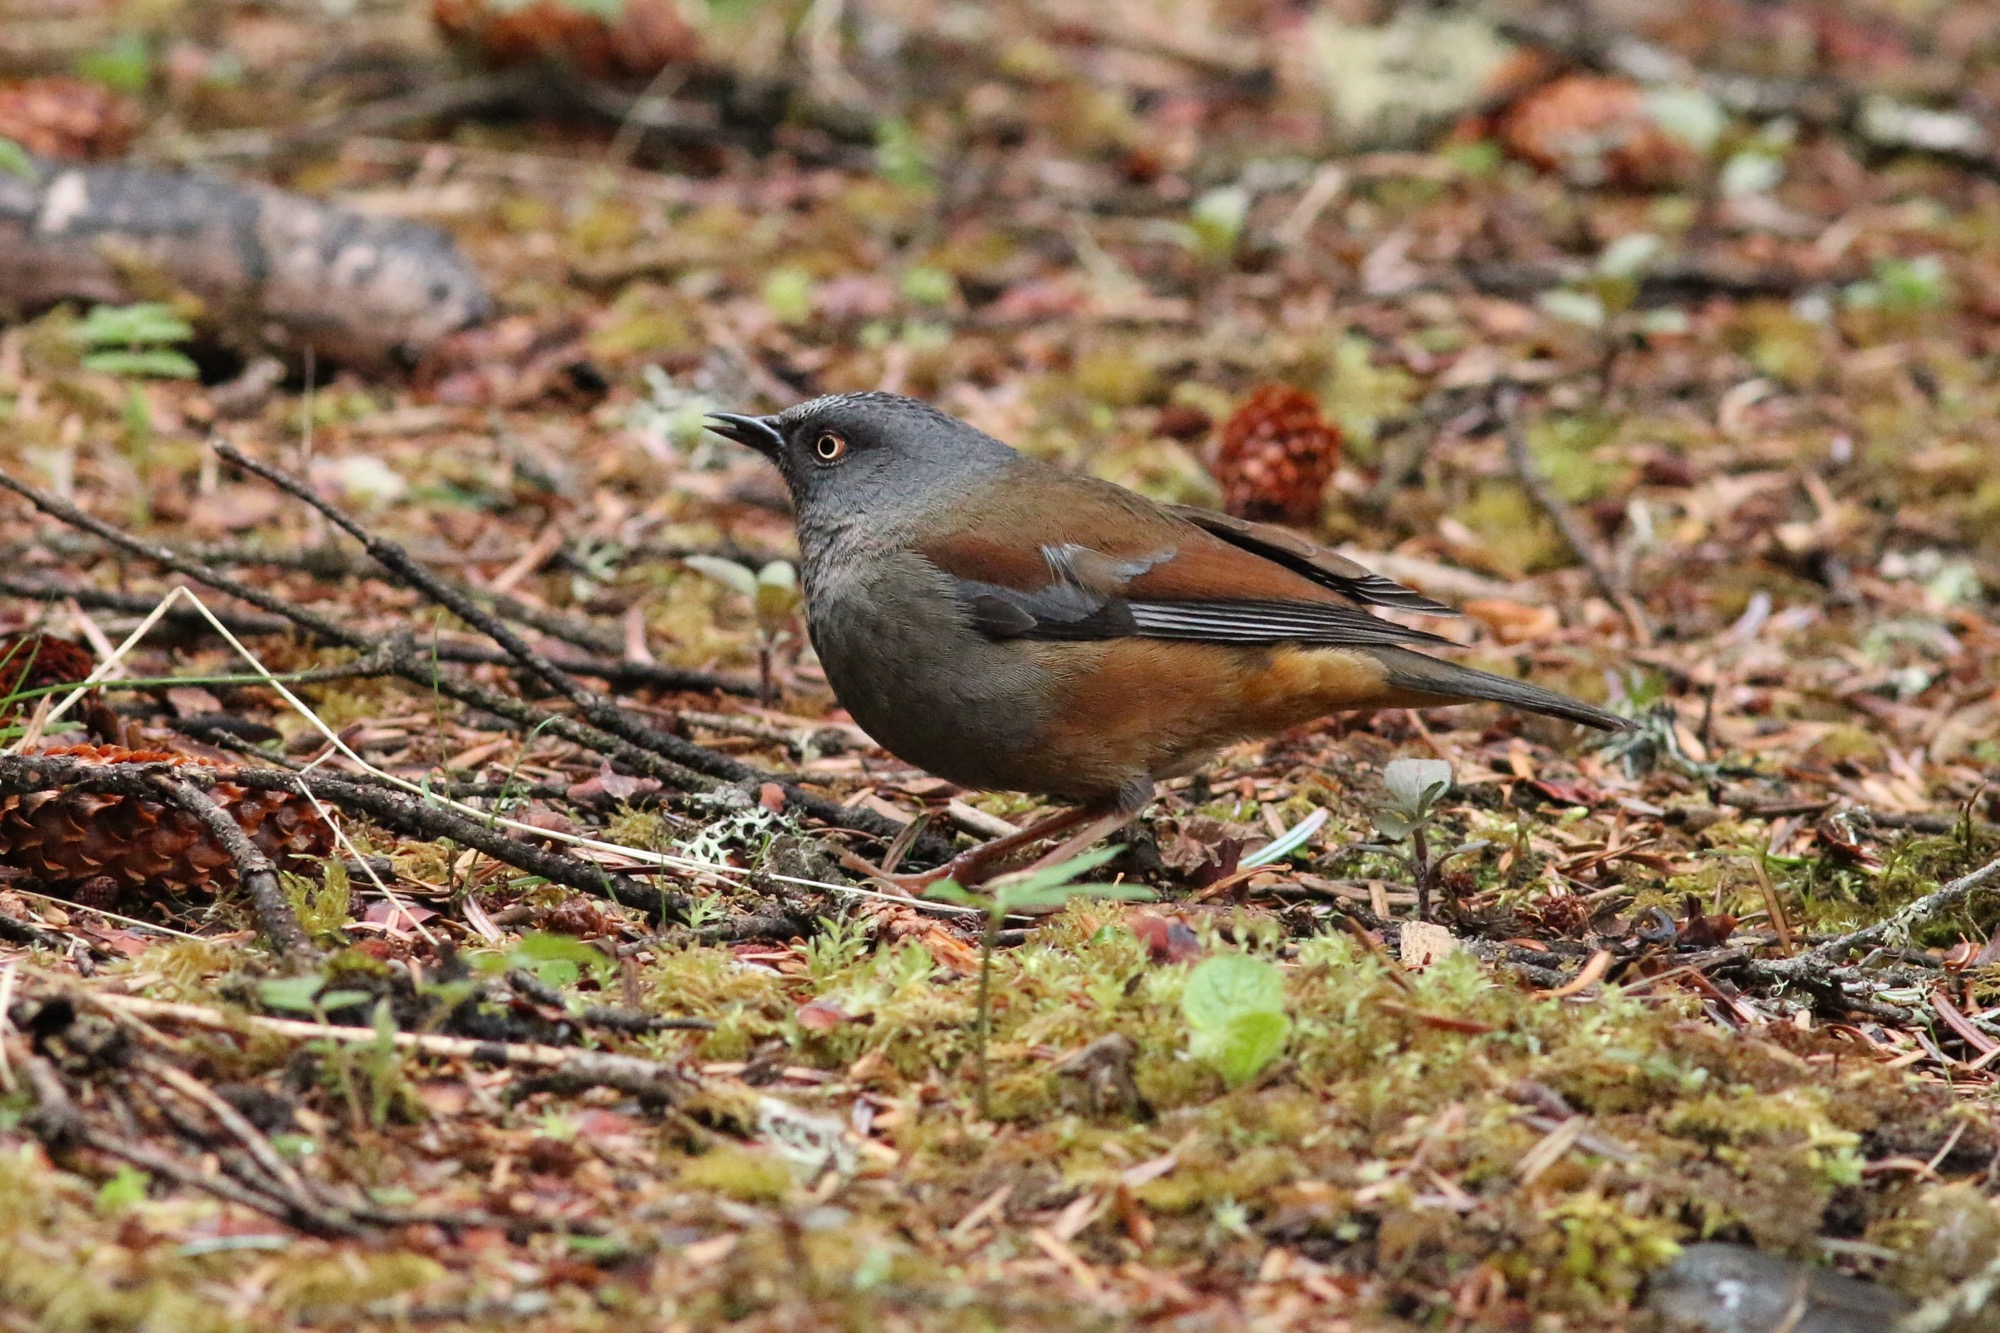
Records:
x=1428, y=1142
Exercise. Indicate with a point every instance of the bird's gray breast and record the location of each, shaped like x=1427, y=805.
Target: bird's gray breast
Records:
x=904, y=659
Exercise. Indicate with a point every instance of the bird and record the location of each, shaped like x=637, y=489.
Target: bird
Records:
x=1007, y=624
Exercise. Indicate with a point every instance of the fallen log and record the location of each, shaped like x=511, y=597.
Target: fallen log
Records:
x=273, y=271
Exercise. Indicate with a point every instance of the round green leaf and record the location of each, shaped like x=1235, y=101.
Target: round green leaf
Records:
x=1229, y=985
x=1241, y=1049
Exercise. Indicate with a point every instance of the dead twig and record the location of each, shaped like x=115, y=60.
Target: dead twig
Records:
x=59, y=1123
x=627, y=1072
x=600, y=711
x=254, y=872
x=617, y=671
x=1573, y=531
x=1815, y=963
x=412, y=816
x=300, y=1193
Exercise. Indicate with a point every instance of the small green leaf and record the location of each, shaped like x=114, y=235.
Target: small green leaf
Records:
x=293, y=993
x=1629, y=257
x=1235, y=1006
x=539, y=945
x=1688, y=114
x=557, y=972
x=1750, y=173
x=1413, y=784
x=343, y=999
x=929, y=286
x=158, y=363
x=1228, y=985
x=125, y=66
x=1215, y=222
x=551, y=956
x=1393, y=825
x=1573, y=307
x=14, y=159
x=125, y=1188
x=899, y=157
x=951, y=891
x=131, y=325
x=297, y=1147
x=1240, y=1049
x=777, y=593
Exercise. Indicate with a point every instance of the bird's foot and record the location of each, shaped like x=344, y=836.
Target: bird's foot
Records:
x=969, y=869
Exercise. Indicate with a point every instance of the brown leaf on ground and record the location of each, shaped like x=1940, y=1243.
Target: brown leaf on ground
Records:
x=67, y=118
x=1593, y=130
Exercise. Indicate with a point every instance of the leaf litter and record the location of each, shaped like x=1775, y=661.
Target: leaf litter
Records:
x=1665, y=355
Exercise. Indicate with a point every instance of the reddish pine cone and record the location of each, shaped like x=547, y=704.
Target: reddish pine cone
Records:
x=33, y=661
x=1592, y=130
x=62, y=117
x=646, y=37
x=74, y=837
x=1276, y=456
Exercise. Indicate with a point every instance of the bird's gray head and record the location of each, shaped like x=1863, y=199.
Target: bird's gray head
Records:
x=860, y=457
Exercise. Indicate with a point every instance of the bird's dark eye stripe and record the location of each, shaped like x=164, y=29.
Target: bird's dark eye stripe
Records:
x=829, y=447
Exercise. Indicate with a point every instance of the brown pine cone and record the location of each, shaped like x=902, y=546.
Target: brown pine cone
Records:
x=1276, y=456
x=67, y=118
x=33, y=661
x=646, y=37
x=74, y=837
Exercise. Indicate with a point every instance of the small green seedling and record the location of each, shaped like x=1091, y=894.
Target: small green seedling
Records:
x=1235, y=1008
x=774, y=594
x=125, y=1188
x=307, y=995
x=135, y=341
x=1611, y=288
x=1029, y=891
x=1903, y=286
x=553, y=959
x=899, y=156
x=14, y=159
x=378, y=1061
x=1215, y=224
x=1415, y=786
x=124, y=65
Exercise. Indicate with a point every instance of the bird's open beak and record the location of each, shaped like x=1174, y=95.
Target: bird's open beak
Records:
x=760, y=433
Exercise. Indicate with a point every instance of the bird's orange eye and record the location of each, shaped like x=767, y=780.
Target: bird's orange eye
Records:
x=830, y=447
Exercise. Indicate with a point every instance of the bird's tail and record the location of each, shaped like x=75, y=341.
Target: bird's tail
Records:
x=1447, y=682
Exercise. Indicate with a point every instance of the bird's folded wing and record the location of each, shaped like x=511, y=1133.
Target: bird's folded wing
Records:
x=1311, y=560
x=1164, y=580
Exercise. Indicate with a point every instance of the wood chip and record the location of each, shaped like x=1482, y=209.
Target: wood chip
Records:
x=1423, y=943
